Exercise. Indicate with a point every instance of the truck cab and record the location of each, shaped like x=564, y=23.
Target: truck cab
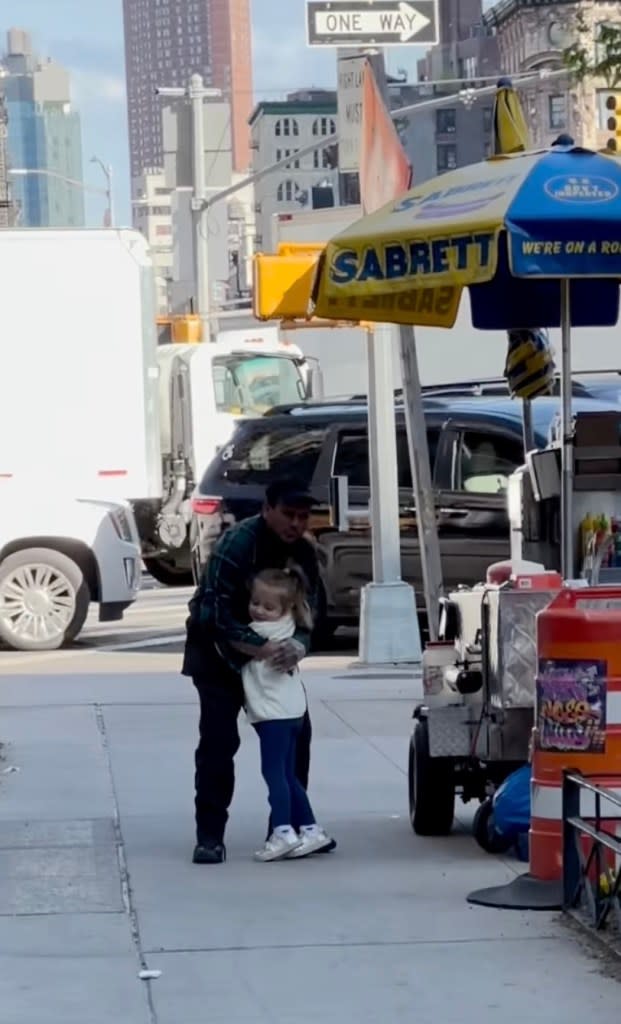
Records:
x=204, y=389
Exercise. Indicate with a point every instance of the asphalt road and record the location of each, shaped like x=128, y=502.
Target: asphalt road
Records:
x=155, y=621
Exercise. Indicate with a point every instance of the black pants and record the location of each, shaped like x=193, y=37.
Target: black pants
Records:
x=221, y=700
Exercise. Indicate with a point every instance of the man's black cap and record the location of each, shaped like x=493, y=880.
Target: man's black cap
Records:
x=289, y=491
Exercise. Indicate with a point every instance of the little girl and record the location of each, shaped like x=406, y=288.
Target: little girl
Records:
x=276, y=704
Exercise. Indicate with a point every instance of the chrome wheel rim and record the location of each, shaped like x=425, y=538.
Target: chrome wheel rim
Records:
x=37, y=603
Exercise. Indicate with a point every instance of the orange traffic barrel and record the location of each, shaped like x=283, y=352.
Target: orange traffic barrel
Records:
x=578, y=713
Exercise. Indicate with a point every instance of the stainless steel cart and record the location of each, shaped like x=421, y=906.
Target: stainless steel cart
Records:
x=474, y=725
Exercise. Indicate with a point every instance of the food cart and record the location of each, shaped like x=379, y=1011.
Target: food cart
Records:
x=534, y=238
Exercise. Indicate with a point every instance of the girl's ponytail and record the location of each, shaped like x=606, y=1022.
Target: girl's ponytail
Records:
x=301, y=608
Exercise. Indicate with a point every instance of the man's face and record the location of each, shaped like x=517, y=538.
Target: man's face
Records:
x=288, y=522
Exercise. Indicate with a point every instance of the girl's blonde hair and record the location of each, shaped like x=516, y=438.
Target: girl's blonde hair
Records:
x=291, y=587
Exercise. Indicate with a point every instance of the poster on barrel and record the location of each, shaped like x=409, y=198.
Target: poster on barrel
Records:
x=571, y=706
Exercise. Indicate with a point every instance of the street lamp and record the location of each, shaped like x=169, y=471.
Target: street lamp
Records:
x=107, y=169
x=24, y=172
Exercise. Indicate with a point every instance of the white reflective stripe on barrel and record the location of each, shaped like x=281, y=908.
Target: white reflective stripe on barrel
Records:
x=547, y=802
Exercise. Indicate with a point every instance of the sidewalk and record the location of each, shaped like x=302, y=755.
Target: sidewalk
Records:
x=96, y=883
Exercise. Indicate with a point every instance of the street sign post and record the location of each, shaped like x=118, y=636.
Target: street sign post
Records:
x=372, y=22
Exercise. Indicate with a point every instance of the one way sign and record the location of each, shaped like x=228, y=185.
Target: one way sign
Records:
x=372, y=22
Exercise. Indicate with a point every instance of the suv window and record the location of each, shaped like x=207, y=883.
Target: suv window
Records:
x=256, y=456
x=486, y=461
x=352, y=458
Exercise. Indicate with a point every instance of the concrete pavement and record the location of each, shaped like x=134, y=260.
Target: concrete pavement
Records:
x=96, y=883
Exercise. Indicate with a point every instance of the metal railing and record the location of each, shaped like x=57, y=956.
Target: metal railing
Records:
x=592, y=870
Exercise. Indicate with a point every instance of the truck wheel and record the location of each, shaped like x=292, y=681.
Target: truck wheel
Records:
x=483, y=830
x=168, y=573
x=44, y=600
x=431, y=787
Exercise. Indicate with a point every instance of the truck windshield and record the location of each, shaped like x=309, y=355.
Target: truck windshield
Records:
x=249, y=385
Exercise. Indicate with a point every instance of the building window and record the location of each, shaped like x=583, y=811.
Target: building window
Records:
x=602, y=112
x=324, y=126
x=558, y=112
x=446, y=121
x=282, y=154
x=285, y=192
x=446, y=157
x=286, y=127
x=323, y=160
x=600, y=48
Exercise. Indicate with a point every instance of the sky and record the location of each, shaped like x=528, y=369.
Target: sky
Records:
x=87, y=38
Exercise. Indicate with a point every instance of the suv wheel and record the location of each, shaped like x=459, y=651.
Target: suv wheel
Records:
x=167, y=572
x=44, y=600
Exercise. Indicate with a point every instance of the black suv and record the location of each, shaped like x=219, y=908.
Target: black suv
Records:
x=475, y=443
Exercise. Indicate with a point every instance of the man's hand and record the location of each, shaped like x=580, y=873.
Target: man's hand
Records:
x=266, y=651
x=287, y=655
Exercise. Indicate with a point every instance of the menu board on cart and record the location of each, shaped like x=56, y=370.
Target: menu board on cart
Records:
x=571, y=706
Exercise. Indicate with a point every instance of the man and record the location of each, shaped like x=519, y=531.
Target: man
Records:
x=218, y=619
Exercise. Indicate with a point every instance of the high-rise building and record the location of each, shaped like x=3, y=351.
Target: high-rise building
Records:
x=167, y=41
x=532, y=39
x=5, y=203
x=44, y=137
x=281, y=129
x=153, y=217
x=459, y=132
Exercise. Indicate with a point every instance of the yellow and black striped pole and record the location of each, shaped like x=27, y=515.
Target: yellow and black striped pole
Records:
x=529, y=368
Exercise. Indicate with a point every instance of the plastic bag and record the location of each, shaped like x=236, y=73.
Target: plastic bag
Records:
x=512, y=804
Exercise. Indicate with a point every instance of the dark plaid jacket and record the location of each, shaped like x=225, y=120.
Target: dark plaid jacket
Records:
x=219, y=607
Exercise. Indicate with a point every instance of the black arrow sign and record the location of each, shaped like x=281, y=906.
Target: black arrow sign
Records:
x=372, y=22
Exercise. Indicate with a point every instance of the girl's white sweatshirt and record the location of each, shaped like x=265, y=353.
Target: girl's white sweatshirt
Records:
x=269, y=694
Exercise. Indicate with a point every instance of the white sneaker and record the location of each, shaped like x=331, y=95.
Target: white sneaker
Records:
x=279, y=846
x=310, y=842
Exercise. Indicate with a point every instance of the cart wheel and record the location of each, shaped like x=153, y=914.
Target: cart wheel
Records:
x=483, y=830
x=431, y=787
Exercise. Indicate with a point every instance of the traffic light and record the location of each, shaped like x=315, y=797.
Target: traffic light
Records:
x=283, y=282
x=613, y=124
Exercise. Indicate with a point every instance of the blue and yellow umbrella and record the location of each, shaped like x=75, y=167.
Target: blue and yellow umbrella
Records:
x=535, y=237
x=510, y=229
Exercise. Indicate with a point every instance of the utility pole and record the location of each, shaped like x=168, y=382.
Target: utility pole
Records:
x=197, y=93
x=199, y=213
x=420, y=470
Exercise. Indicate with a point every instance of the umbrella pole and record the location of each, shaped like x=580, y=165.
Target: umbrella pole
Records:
x=527, y=426
x=567, y=454
x=422, y=483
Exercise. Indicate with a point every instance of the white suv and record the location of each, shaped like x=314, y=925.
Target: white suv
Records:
x=57, y=554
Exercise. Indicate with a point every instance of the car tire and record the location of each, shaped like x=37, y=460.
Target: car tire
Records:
x=44, y=600
x=166, y=572
x=483, y=830
x=431, y=786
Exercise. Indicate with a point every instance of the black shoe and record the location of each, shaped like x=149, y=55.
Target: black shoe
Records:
x=329, y=848
x=209, y=852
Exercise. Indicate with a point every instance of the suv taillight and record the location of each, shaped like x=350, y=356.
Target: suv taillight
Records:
x=205, y=506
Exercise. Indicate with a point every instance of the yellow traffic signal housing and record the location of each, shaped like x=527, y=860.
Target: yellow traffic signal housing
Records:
x=283, y=283
x=186, y=328
x=613, y=124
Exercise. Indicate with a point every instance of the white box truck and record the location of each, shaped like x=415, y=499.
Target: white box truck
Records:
x=90, y=402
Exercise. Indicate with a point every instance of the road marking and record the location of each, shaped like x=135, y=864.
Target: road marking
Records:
x=36, y=657
x=136, y=645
